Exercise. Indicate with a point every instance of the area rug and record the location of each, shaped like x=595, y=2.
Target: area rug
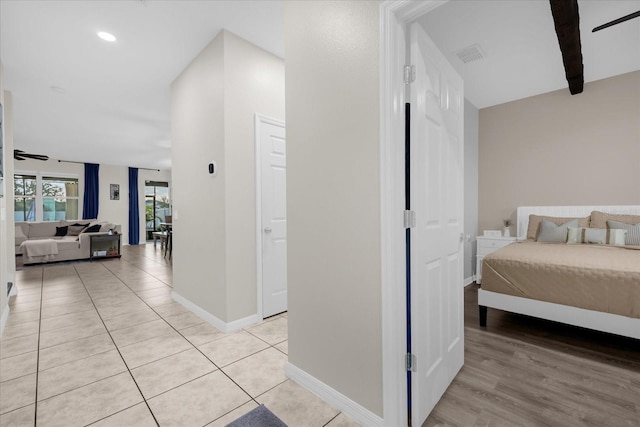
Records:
x=258, y=417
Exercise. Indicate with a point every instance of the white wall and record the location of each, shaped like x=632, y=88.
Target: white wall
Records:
x=115, y=211
x=254, y=83
x=197, y=137
x=470, y=187
x=333, y=195
x=110, y=210
x=213, y=103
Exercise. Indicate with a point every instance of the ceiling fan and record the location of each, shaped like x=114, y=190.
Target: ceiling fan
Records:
x=21, y=155
x=617, y=21
x=566, y=20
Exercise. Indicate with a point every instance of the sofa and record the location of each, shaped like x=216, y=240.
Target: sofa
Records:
x=51, y=241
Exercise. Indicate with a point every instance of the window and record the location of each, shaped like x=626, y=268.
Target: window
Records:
x=59, y=198
x=45, y=198
x=25, y=197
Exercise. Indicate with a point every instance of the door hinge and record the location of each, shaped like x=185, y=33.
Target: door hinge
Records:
x=409, y=219
x=409, y=74
x=411, y=362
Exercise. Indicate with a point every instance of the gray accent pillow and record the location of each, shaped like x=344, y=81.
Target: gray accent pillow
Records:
x=552, y=233
x=633, y=231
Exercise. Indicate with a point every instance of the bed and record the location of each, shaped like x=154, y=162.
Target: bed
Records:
x=591, y=286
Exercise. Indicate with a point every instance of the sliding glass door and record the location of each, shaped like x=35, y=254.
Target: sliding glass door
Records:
x=157, y=205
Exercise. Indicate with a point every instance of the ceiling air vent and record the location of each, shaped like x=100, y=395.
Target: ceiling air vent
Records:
x=471, y=53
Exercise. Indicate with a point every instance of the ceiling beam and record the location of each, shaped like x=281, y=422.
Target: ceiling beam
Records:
x=567, y=23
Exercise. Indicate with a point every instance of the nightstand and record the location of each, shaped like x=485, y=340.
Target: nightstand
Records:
x=486, y=245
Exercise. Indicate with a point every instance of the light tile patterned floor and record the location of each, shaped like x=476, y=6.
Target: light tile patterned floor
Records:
x=103, y=344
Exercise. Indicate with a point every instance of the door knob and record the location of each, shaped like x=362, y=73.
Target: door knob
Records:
x=267, y=229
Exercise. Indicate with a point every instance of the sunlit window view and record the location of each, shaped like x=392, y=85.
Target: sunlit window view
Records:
x=45, y=198
x=157, y=205
x=59, y=199
x=24, y=197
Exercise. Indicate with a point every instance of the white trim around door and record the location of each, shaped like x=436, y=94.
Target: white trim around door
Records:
x=260, y=120
x=394, y=16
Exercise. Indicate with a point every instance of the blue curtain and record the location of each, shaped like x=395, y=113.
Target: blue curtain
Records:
x=91, y=191
x=134, y=211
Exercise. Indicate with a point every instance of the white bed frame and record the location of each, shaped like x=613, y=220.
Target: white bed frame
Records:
x=599, y=321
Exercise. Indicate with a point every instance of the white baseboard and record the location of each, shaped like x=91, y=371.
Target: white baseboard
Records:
x=334, y=398
x=4, y=318
x=469, y=280
x=225, y=327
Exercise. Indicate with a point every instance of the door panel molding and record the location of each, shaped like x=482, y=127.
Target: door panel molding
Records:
x=259, y=121
x=436, y=178
x=394, y=16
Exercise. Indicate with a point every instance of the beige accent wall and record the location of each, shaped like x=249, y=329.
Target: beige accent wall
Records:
x=558, y=149
x=333, y=195
x=213, y=102
x=470, y=188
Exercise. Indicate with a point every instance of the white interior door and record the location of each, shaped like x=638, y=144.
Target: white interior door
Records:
x=436, y=181
x=273, y=167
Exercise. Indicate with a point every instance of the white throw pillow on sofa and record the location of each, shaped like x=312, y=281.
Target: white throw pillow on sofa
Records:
x=20, y=236
x=43, y=229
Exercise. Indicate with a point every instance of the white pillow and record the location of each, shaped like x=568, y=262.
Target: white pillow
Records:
x=597, y=236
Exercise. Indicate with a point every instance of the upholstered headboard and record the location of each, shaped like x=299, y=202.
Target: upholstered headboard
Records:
x=523, y=213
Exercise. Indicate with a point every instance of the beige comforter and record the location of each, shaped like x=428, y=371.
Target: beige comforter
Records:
x=594, y=277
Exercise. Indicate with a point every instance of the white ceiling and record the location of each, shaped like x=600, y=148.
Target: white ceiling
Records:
x=522, y=53
x=115, y=108
x=115, y=105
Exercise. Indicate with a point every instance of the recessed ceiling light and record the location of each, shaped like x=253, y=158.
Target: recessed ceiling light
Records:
x=106, y=36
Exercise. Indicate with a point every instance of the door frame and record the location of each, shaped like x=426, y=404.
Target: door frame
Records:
x=394, y=16
x=259, y=120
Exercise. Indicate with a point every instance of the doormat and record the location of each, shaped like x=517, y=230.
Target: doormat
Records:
x=258, y=417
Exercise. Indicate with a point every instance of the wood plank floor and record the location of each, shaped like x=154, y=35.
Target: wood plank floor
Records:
x=522, y=371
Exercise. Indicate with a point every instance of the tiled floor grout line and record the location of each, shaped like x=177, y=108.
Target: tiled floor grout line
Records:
x=176, y=330
x=200, y=351
x=134, y=268
x=35, y=404
x=115, y=413
x=130, y=263
x=87, y=384
x=194, y=346
x=116, y=346
x=329, y=422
